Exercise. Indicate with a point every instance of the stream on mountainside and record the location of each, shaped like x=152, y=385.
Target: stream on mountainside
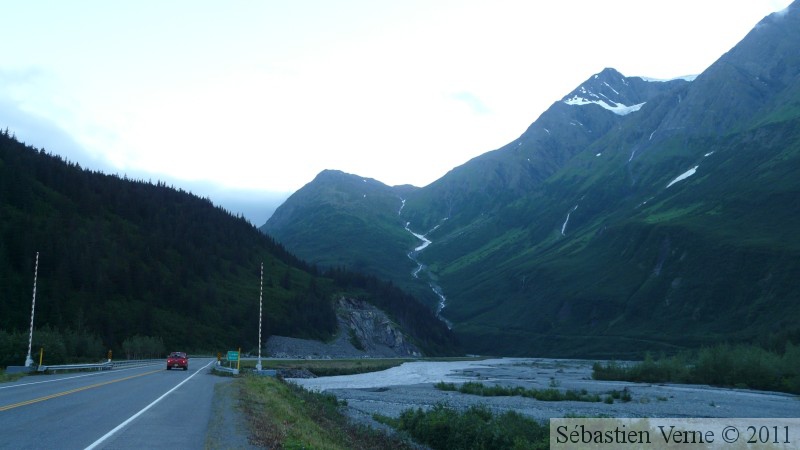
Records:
x=412, y=255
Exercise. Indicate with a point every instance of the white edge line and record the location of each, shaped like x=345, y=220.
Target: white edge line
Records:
x=133, y=417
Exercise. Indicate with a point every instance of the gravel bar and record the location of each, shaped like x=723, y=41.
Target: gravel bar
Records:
x=411, y=385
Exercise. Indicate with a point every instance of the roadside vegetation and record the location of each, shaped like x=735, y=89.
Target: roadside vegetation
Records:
x=442, y=427
x=60, y=346
x=7, y=377
x=282, y=415
x=740, y=366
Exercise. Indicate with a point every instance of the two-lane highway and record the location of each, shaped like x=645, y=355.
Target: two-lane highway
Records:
x=140, y=407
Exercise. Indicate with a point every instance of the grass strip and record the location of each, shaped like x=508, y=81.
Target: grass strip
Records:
x=8, y=377
x=285, y=416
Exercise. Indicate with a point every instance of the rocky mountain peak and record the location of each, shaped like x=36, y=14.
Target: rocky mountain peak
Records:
x=617, y=93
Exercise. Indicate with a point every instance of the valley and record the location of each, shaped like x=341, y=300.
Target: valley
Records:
x=633, y=215
x=412, y=385
x=631, y=250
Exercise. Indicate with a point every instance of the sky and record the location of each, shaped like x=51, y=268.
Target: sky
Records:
x=247, y=101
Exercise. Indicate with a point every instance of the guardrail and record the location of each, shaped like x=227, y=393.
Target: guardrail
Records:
x=138, y=362
x=101, y=366
x=226, y=369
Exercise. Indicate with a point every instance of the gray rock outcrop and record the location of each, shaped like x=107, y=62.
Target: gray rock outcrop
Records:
x=364, y=332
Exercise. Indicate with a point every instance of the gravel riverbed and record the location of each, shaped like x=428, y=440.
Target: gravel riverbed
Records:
x=411, y=385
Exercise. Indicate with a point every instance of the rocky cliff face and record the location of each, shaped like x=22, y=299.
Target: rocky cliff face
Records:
x=372, y=330
x=364, y=332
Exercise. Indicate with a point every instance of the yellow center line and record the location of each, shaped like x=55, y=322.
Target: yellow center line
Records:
x=60, y=394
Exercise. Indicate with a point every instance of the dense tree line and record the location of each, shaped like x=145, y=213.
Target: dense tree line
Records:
x=124, y=257
x=57, y=346
x=121, y=258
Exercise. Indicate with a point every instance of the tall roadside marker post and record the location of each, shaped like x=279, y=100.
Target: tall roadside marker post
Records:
x=260, y=296
x=28, y=360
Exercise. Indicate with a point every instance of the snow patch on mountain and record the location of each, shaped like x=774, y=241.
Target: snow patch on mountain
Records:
x=616, y=108
x=660, y=80
x=683, y=176
x=564, y=226
x=609, y=86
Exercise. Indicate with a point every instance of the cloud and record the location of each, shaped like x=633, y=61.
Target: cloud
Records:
x=43, y=133
x=23, y=94
x=475, y=104
x=40, y=132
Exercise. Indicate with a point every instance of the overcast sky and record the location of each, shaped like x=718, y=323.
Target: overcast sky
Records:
x=256, y=96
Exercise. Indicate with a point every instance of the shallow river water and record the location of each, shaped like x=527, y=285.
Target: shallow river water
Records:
x=411, y=385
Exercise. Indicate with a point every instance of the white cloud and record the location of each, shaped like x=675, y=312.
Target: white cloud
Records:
x=264, y=95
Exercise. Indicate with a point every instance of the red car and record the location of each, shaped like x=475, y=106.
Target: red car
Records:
x=178, y=359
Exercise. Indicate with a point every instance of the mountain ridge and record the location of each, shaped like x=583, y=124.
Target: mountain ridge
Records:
x=632, y=215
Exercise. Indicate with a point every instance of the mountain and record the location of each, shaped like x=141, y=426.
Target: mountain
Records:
x=121, y=259
x=567, y=128
x=343, y=220
x=633, y=215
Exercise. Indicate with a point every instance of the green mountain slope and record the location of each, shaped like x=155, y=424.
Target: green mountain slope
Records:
x=343, y=220
x=632, y=215
x=711, y=258
x=120, y=258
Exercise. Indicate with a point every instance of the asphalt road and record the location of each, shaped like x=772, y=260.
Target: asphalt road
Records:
x=144, y=407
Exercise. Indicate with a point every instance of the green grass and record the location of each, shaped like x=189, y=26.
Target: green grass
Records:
x=283, y=415
x=672, y=214
x=546, y=395
x=8, y=377
x=443, y=427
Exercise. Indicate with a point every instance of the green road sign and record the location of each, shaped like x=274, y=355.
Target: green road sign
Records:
x=233, y=355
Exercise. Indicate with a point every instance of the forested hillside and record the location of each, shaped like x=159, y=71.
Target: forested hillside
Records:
x=121, y=258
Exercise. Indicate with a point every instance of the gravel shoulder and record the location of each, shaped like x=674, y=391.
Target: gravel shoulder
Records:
x=227, y=427
x=386, y=393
